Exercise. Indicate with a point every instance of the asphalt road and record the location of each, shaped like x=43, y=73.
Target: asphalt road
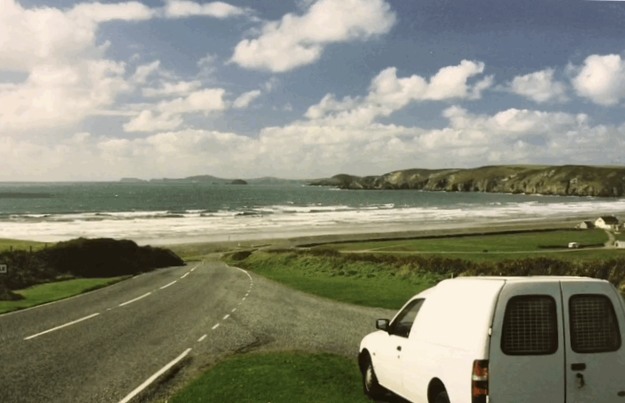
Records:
x=141, y=339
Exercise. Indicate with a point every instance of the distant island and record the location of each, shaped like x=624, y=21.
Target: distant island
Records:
x=567, y=180
x=210, y=179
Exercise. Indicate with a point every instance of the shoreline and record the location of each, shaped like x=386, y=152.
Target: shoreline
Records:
x=360, y=234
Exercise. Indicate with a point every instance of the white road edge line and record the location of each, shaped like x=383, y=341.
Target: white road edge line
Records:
x=170, y=284
x=185, y=275
x=136, y=299
x=62, y=326
x=154, y=377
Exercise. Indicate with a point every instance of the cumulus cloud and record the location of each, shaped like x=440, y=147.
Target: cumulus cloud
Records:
x=388, y=93
x=148, y=121
x=297, y=40
x=67, y=77
x=168, y=89
x=49, y=34
x=244, y=100
x=98, y=12
x=167, y=115
x=56, y=95
x=306, y=148
x=539, y=87
x=216, y=9
x=601, y=79
x=143, y=72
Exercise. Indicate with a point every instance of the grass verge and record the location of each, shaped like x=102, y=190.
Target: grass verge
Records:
x=355, y=282
x=277, y=377
x=44, y=293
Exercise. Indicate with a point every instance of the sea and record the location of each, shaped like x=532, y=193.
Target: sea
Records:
x=171, y=212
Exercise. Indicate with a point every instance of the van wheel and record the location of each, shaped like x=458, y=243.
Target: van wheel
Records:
x=442, y=398
x=370, y=383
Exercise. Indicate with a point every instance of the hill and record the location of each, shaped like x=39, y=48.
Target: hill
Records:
x=567, y=180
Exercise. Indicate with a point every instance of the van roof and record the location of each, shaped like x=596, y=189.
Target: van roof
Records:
x=529, y=279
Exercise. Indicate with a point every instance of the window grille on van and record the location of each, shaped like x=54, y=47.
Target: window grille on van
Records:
x=530, y=326
x=594, y=327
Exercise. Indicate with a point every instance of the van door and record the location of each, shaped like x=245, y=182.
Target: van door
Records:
x=526, y=358
x=389, y=354
x=595, y=355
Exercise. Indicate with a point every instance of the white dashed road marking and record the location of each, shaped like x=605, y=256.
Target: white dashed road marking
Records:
x=136, y=299
x=170, y=284
x=61, y=326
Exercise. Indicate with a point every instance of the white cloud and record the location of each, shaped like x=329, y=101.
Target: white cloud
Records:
x=67, y=77
x=45, y=35
x=59, y=95
x=167, y=115
x=601, y=79
x=98, y=12
x=244, y=100
x=308, y=149
x=388, y=93
x=167, y=89
x=451, y=82
x=216, y=9
x=204, y=101
x=143, y=72
x=297, y=40
x=147, y=121
x=50, y=35
x=539, y=87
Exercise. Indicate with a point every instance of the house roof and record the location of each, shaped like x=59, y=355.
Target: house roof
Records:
x=610, y=219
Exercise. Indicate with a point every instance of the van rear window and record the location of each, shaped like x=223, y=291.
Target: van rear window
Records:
x=530, y=326
x=594, y=327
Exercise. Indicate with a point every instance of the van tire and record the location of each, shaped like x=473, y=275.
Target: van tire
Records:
x=442, y=397
x=370, y=384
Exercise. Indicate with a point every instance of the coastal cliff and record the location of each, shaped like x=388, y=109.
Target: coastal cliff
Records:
x=568, y=180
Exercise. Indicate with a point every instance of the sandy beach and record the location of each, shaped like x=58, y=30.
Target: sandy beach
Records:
x=360, y=232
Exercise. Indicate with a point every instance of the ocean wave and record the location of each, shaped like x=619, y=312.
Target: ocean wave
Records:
x=270, y=220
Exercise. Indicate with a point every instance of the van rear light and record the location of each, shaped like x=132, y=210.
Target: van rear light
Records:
x=479, y=382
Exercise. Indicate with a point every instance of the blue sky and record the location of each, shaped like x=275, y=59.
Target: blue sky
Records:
x=306, y=88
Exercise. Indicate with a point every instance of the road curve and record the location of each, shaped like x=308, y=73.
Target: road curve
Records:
x=111, y=345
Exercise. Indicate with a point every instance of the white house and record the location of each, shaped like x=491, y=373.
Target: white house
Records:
x=586, y=225
x=607, y=222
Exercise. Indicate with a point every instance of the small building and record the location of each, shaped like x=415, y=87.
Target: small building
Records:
x=619, y=244
x=586, y=225
x=607, y=222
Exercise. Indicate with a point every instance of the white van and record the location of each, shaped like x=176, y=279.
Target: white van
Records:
x=502, y=340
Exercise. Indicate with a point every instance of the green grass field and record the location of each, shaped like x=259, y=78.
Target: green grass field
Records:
x=277, y=377
x=494, y=247
x=43, y=293
x=14, y=244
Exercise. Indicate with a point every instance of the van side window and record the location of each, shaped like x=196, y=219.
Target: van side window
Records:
x=530, y=326
x=403, y=322
x=594, y=326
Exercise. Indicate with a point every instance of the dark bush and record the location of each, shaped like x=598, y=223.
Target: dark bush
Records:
x=105, y=257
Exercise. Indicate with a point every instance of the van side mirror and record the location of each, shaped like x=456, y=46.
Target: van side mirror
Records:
x=382, y=324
